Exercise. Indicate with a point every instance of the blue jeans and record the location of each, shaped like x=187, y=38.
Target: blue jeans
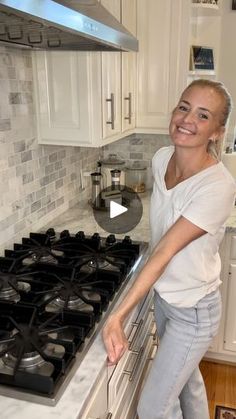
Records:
x=174, y=388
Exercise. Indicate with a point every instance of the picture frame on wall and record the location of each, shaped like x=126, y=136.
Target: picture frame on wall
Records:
x=201, y=58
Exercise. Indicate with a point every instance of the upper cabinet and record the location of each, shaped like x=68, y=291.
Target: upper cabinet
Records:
x=111, y=94
x=162, y=61
x=111, y=82
x=119, y=78
x=128, y=69
x=87, y=98
x=68, y=91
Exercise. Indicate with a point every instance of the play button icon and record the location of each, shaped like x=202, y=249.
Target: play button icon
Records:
x=116, y=209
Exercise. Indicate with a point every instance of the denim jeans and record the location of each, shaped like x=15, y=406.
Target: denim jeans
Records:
x=174, y=388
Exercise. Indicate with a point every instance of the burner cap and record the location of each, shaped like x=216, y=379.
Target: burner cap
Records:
x=119, y=210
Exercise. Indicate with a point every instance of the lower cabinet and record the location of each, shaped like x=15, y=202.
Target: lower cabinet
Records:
x=223, y=347
x=117, y=392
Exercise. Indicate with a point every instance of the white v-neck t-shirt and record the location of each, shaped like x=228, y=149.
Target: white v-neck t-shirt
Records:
x=206, y=199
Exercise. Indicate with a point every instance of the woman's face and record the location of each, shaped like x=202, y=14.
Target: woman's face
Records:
x=196, y=118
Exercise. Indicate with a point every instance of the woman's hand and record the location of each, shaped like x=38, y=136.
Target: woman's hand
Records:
x=114, y=339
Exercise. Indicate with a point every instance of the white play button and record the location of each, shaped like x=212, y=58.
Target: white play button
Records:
x=116, y=209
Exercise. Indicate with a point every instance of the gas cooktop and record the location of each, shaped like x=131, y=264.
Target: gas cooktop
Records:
x=55, y=292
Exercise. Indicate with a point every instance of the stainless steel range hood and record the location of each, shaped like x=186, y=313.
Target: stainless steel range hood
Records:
x=62, y=25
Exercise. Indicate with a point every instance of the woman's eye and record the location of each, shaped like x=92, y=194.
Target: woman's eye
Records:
x=203, y=116
x=183, y=108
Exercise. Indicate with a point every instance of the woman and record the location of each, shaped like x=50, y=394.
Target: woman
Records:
x=192, y=197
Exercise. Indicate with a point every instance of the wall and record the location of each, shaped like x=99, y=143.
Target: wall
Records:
x=37, y=182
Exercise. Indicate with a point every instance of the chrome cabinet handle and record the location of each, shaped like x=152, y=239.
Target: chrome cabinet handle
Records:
x=129, y=98
x=133, y=372
x=137, y=331
x=112, y=101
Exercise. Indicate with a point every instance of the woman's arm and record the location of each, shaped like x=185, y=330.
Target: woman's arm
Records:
x=177, y=237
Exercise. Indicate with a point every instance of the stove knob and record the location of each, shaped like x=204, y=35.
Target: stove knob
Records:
x=51, y=233
x=127, y=240
x=64, y=234
x=80, y=235
x=111, y=239
x=96, y=236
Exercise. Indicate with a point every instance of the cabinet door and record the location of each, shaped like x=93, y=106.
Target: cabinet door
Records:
x=65, y=97
x=129, y=68
x=230, y=323
x=128, y=90
x=111, y=93
x=162, y=31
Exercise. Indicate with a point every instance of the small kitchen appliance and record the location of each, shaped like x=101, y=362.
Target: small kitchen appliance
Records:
x=54, y=291
x=96, y=189
x=110, y=164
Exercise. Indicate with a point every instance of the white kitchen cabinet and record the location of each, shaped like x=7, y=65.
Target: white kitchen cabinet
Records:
x=162, y=62
x=128, y=105
x=111, y=82
x=68, y=91
x=111, y=94
x=80, y=96
x=119, y=78
x=224, y=345
x=128, y=70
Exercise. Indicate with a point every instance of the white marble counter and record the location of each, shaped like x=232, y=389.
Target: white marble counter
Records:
x=81, y=218
x=79, y=388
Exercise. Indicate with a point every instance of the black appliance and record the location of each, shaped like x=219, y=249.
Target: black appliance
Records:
x=55, y=291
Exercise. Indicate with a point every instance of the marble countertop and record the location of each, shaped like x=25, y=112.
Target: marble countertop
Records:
x=79, y=388
x=81, y=218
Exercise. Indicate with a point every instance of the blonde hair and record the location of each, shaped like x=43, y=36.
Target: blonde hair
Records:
x=215, y=147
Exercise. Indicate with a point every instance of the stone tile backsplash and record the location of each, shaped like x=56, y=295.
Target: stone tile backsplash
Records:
x=37, y=182
x=137, y=148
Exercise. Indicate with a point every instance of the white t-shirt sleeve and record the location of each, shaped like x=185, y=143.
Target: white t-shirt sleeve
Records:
x=211, y=206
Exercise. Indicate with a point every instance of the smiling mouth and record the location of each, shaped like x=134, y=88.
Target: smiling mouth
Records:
x=185, y=131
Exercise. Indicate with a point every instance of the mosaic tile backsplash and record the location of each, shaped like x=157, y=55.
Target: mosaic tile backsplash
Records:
x=38, y=182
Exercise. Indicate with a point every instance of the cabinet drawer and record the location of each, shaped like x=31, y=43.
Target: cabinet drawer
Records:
x=233, y=248
x=130, y=368
x=125, y=404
